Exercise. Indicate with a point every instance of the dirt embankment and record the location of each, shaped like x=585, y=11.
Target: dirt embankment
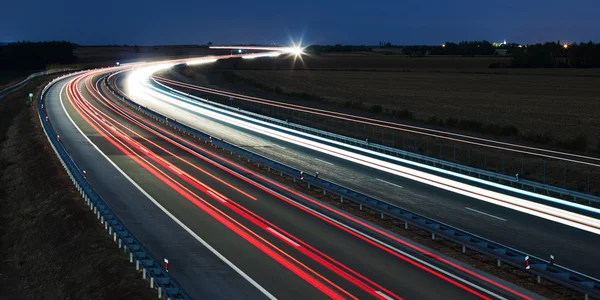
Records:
x=51, y=245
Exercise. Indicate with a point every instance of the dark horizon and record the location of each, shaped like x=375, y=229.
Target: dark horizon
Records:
x=335, y=22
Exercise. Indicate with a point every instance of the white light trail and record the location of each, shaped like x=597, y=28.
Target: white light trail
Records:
x=138, y=82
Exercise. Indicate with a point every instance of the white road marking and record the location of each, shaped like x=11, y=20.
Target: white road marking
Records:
x=279, y=146
x=283, y=236
x=215, y=196
x=389, y=183
x=323, y=161
x=175, y=169
x=480, y=212
x=380, y=293
x=168, y=213
x=449, y=274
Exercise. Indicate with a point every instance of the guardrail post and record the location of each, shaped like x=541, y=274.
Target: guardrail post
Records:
x=102, y=220
x=499, y=263
x=137, y=264
x=433, y=236
x=151, y=282
x=143, y=273
x=131, y=257
x=120, y=243
x=341, y=199
x=539, y=279
x=406, y=225
x=464, y=249
x=382, y=216
x=109, y=230
x=159, y=292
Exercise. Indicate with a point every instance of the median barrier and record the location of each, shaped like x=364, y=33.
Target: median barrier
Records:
x=540, y=268
x=512, y=181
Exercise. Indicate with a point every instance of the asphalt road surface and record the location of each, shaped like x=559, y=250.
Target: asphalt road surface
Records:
x=527, y=233
x=287, y=252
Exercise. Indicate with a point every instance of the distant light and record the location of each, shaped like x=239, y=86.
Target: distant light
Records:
x=520, y=46
x=504, y=42
x=297, y=50
x=118, y=63
x=240, y=51
x=30, y=95
x=443, y=45
x=566, y=46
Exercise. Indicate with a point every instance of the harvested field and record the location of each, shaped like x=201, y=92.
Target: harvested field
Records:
x=52, y=247
x=563, y=105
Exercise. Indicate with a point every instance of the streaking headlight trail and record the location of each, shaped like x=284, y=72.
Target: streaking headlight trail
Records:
x=139, y=89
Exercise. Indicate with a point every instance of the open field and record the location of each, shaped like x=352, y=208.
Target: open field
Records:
x=562, y=105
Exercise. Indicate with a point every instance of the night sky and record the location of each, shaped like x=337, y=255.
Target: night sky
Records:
x=432, y=22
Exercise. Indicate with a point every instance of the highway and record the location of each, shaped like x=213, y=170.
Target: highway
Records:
x=227, y=237
x=538, y=236
x=444, y=135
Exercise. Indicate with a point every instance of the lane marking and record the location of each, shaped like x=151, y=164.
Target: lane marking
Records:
x=323, y=161
x=389, y=183
x=215, y=196
x=283, y=236
x=282, y=147
x=380, y=293
x=191, y=232
x=414, y=258
x=483, y=213
x=175, y=169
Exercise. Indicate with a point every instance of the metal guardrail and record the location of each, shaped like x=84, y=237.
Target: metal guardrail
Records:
x=34, y=75
x=543, y=269
x=462, y=169
x=150, y=268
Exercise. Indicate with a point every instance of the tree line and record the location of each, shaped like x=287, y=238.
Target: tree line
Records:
x=556, y=55
x=36, y=55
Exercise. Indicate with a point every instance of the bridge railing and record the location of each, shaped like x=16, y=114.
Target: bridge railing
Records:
x=539, y=267
x=151, y=268
x=524, y=184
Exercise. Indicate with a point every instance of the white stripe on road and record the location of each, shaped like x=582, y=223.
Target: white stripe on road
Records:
x=380, y=293
x=389, y=183
x=323, y=161
x=168, y=213
x=175, y=169
x=283, y=237
x=480, y=212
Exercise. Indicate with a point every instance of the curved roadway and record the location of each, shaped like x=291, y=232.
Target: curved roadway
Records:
x=528, y=233
x=227, y=237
